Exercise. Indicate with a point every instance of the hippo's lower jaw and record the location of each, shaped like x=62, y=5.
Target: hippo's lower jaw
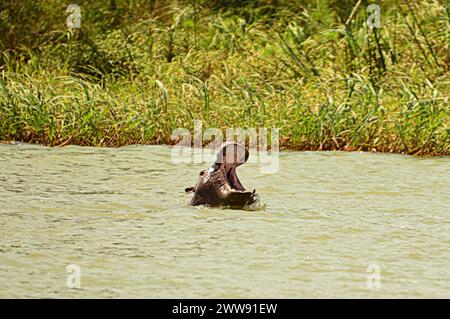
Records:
x=217, y=189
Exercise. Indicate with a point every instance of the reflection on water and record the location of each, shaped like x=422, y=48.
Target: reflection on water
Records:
x=121, y=215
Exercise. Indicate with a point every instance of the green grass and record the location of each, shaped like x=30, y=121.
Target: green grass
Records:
x=135, y=73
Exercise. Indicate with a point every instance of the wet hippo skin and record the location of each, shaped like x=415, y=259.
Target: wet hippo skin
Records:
x=219, y=185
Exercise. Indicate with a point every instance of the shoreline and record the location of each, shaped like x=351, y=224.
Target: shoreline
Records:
x=283, y=147
x=326, y=84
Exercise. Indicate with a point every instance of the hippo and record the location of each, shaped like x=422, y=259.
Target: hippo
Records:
x=219, y=185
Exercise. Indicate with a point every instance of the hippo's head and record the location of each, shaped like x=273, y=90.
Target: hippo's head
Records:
x=219, y=185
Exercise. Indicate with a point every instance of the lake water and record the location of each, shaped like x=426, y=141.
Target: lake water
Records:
x=332, y=225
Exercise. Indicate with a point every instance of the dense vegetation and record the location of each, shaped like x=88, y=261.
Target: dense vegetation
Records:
x=136, y=70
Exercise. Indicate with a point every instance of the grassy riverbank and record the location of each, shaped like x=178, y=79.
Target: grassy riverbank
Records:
x=137, y=70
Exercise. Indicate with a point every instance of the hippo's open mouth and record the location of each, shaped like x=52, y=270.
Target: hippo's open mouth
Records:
x=233, y=179
x=220, y=185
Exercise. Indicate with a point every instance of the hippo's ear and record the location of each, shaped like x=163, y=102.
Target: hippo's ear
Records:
x=189, y=189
